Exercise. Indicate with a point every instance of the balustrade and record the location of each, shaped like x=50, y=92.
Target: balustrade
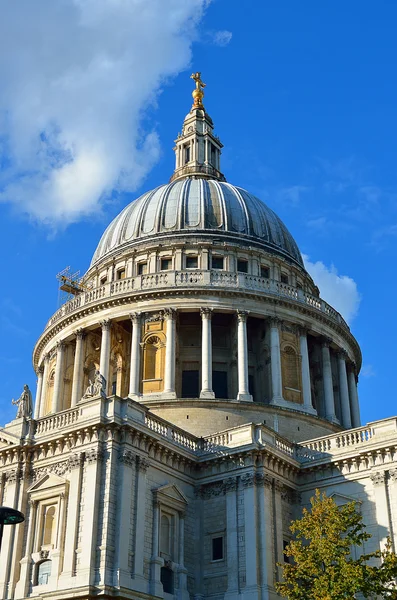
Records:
x=217, y=278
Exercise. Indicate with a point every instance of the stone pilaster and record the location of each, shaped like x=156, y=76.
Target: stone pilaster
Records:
x=44, y=387
x=231, y=539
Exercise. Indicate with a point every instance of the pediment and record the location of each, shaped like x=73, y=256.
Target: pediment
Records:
x=171, y=495
x=341, y=499
x=48, y=484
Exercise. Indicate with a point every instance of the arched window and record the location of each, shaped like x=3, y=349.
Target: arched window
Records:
x=43, y=572
x=49, y=525
x=49, y=393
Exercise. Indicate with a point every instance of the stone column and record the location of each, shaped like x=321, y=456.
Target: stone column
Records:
x=275, y=362
x=206, y=354
x=242, y=356
x=58, y=379
x=78, y=367
x=44, y=387
x=354, y=405
x=37, y=404
x=135, y=355
x=231, y=539
x=105, y=351
x=344, y=391
x=169, y=375
x=329, y=401
x=306, y=386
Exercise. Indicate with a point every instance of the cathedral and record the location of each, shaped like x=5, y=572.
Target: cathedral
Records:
x=191, y=396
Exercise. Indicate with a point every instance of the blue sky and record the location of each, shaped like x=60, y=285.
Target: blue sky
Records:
x=303, y=96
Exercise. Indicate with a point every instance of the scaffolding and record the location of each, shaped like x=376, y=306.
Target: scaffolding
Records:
x=70, y=285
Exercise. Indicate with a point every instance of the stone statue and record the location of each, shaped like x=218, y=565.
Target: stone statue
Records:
x=96, y=387
x=24, y=403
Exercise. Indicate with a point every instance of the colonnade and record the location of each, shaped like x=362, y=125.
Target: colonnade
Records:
x=350, y=416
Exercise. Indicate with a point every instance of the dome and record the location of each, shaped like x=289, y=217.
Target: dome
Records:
x=194, y=206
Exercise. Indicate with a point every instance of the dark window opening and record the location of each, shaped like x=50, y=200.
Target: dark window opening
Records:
x=286, y=558
x=166, y=264
x=213, y=156
x=219, y=384
x=121, y=274
x=190, y=384
x=191, y=262
x=284, y=278
x=242, y=266
x=217, y=262
x=167, y=579
x=217, y=548
x=251, y=385
x=142, y=268
x=114, y=387
x=187, y=154
x=265, y=272
x=103, y=280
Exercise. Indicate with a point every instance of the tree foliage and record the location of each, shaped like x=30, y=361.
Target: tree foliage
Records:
x=321, y=565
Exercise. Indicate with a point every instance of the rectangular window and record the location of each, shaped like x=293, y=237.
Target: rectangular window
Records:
x=187, y=154
x=286, y=558
x=166, y=264
x=265, y=272
x=242, y=266
x=191, y=262
x=103, y=280
x=142, y=268
x=217, y=262
x=121, y=274
x=284, y=278
x=217, y=548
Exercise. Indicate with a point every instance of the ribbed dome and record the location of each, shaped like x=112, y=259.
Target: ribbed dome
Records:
x=198, y=206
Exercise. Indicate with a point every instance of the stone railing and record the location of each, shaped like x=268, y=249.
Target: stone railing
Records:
x=57, y=421
x=341, y=442
x=207, y=279
x=172, y=433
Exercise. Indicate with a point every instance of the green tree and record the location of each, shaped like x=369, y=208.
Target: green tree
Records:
x=321, y=566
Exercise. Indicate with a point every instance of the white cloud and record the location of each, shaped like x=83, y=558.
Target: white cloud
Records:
x=222, y=38
x=76, y=77
x=367, y=371
x=292, y=194
x=340, y=291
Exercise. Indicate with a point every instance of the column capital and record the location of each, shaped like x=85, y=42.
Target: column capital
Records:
x=303, y=330
x=60, y=346
x=105, y=324
x=242, y=315
x=275, y=322
x=135, y=317
x=79, y=333
x=378, y=478
x=326, y=342
x=206, y=312
x=342, y=354
x=40, y=370
x=170, y=314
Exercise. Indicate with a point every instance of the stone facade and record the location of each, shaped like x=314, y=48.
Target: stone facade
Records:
x=190, y=399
